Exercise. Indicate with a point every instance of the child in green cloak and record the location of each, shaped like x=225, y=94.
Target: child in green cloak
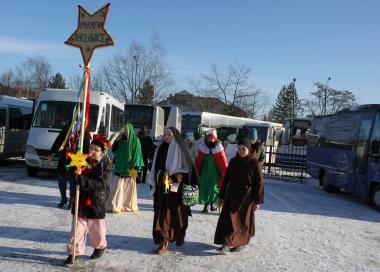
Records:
x=128, y=161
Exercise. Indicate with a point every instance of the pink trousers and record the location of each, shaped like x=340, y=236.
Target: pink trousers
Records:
x=97, y=231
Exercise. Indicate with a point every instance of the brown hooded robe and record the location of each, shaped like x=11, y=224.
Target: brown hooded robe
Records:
x=242, y=188
x=170, y=215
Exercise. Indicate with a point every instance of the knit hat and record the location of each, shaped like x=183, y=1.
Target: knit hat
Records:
x=100, y=141
x=246, y=142
x=252, y=133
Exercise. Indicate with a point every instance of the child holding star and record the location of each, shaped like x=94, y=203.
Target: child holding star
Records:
x=94, y=191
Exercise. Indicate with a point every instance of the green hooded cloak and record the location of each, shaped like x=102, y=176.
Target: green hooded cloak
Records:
x=128, y=153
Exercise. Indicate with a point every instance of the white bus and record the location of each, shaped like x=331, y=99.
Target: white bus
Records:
x=292, y=148
x=199, y=122
x=54, y=108
x=149, y=116
x=15, y=119
x=173, y=117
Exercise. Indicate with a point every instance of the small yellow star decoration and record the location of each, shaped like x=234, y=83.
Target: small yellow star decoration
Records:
x=133, y=173
x=90, y=33
x=78, y=160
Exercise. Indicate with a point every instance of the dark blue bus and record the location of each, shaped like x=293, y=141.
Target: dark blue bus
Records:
x=343, y=152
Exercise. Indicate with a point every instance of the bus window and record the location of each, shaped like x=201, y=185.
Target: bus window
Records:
x=167, y=113
x=375, y=138
x=190, y=123
x=361, y=145
x=139, y=116
x=15, y=119
x=54, y=114
x=3, y=117
x=285, y=138
x=27, y=120
x=116, y=119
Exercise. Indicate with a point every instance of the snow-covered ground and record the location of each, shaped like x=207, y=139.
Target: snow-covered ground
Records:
x=299, y=228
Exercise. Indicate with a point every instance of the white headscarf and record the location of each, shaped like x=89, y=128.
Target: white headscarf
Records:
x=175, y=163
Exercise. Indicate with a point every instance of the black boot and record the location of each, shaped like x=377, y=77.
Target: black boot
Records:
x=97, y=253
x=205, y=209
x=212, y=208
x=69, y=260
x=223, y=250
x=62, y=203
x=70, y=205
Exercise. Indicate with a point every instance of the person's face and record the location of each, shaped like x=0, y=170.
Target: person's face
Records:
x=168, y=137
x=96, y=152
x=126, y=133
x=253, y=141
x=243, y=151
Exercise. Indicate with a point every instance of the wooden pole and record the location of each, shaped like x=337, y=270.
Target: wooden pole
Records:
x=80, y=149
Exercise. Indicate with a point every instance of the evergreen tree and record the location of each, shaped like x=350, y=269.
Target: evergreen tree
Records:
x=57, y=82
x=287, y=104
x=146, y=93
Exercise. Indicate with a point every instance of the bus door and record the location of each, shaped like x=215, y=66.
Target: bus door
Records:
x=3, y=126
x=15, y=138
x=373, y=171
x=361, y=156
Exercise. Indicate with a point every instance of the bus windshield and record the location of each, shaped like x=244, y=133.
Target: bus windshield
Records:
x=139, y=116
x=54, y=114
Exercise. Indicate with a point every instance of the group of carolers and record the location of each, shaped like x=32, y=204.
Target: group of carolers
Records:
x=236, y=187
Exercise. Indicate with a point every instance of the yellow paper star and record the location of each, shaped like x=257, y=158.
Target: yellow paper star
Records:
x=133, y=173
x=78, y=160
x=166, y=182
x=90, y=33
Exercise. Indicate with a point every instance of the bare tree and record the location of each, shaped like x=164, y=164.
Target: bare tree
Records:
x=333, y=100
x=125, y=74
x=256, y=104
x=74, y=81
x=7, y=77
x=158, y=67
x=234, y=87
x=33, y=74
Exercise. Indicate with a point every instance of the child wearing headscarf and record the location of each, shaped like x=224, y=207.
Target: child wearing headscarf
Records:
x=171, y=169
x=241, y=195
x=128, y=161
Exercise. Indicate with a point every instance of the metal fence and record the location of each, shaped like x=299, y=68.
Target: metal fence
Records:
x=286, y=163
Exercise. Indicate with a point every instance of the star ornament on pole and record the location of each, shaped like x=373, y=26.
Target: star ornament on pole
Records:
x=78, y=161
x=90, y=33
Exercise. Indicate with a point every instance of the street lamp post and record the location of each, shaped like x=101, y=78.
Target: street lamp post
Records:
x=325, y=100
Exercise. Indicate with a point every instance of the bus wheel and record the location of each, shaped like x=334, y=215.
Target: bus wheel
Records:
x=321, y=176
x=32, y=171
x=375, y=197
x=329, y=188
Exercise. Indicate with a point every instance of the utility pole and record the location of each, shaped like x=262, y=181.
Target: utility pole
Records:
x=325, y=100
x=294, y=96
x=135, y=80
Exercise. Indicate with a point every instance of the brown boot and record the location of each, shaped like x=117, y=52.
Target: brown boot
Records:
x=163, y=248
